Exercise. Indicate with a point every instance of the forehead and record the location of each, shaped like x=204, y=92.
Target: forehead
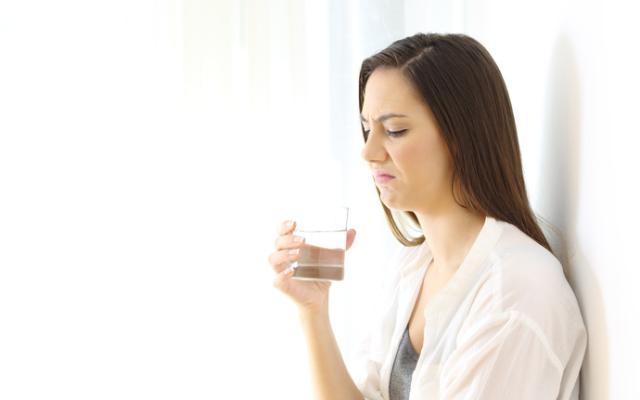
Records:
x=387, y=90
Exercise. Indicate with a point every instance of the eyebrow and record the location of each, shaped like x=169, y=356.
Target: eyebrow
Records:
x=384, y=117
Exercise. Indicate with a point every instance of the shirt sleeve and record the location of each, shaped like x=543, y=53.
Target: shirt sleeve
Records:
x=367, y=374
x=371, y=351
x=504, y=356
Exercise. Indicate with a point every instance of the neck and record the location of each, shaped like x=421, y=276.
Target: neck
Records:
x=450, y=234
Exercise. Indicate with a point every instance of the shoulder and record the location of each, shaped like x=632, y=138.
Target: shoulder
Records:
x=528, y=275
x=523, y=278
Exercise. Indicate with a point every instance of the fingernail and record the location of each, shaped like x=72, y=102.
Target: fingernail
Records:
x=289, y=223
x=298, y=238
x=294, y=251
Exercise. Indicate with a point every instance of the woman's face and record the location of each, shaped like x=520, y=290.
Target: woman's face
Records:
x=417, y=156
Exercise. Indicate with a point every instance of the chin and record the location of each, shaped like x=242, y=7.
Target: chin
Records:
x=393, y=202
x=390, y=200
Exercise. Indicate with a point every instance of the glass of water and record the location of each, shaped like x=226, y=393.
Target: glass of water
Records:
x=322, y=254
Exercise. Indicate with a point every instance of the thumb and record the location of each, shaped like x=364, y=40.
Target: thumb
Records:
x=351, y=235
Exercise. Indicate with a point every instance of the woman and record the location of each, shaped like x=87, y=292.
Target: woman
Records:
x=478, y=306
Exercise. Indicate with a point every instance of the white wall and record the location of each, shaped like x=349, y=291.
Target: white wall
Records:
x=571, y=68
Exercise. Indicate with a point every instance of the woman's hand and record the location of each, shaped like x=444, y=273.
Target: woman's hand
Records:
x=308, y=295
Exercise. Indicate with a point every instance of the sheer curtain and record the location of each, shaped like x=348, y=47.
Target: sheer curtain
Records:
x=148, y=151
x=294, y=67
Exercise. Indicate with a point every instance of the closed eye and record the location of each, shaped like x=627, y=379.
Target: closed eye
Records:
x=396, y=133
x=390, y=133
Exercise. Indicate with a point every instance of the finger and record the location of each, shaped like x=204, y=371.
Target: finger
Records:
x=282, y=259
x=286, y=227
x=351, y=236
x=289, y=241
x=282, y=277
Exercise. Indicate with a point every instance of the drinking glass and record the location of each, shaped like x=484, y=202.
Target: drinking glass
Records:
x=322, y=254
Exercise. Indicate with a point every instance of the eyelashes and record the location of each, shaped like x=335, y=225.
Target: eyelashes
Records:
x=396, y=133
x=390, y=133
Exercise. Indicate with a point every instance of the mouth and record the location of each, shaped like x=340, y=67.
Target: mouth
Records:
x=381, y=172
x=383, y=178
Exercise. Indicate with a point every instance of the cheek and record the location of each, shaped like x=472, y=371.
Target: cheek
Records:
x=426, y=164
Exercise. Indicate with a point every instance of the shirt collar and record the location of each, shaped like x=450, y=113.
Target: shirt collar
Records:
x=420, y=256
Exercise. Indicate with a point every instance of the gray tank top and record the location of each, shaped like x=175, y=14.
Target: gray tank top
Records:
x=403, y=366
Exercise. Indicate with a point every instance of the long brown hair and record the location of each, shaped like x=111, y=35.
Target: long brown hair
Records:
x=462, y=85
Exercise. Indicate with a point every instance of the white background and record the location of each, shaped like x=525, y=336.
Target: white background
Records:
x=148, y=150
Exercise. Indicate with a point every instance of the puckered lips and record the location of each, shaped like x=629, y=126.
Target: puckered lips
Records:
x=382, y=176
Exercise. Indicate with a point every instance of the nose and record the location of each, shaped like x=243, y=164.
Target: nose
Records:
x=373, y=149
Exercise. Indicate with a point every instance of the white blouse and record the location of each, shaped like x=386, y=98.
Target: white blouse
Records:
x=506, y=326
